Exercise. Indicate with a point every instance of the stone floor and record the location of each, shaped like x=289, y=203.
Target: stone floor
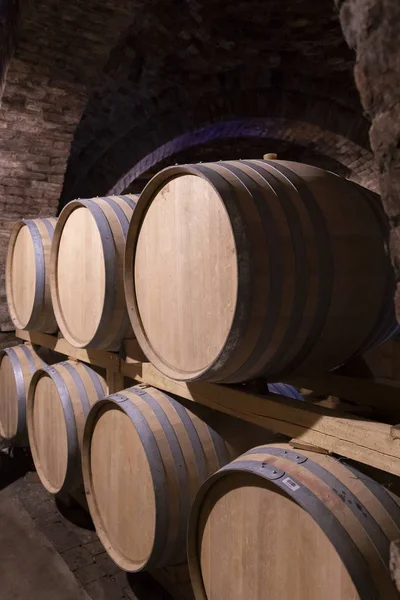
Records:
x=51, y=552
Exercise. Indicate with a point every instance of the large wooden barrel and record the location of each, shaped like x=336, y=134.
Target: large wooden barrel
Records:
x=241, y=269
x=277, y=523
x=28, y=277
x=59, y=400
x=87, y=271
x=17, y=365
x=144, y=457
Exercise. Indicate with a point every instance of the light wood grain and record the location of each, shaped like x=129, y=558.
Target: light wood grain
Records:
x=186, y=274
x=17, y=365
x=80, y=276
x=363, y=440
x=248, y=534
x=9, y=400
x=86, y=271
x=48, y=436
x=101, y=358
x=27, y=275
x=241, y=269
x=144, y=458
x=59, y=400
x=23, y=276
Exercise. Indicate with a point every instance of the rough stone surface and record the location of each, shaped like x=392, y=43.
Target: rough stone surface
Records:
x=372, y=28
x=134, y=85
x=61, y=50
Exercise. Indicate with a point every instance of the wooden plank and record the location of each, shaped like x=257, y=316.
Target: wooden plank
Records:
x=115, y=381
x=357, y=438
x=101, y=358
x=383, y=395
x=367, y=441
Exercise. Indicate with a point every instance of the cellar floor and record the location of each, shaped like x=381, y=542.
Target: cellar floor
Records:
x=51, y=552
x=30, y=567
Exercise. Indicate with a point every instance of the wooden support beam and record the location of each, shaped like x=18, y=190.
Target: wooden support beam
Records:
x=382, y=395
x=115, y=381
x=366, y=441
x=100, y=358
x=363, y=440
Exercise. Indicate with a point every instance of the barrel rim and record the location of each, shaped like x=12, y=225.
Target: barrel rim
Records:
x=143, y=205
x=58, y=230
x=9, y=288
x=19, y=383
x=117, y=556
x=71, y=436
x=194, y=563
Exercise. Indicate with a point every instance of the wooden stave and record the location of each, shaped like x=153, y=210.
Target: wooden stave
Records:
x=367, y=586
x=220, y=370
x=72, y=401
x=42, y=317
x=113, y=327
x=25, y=362
x=161, y=555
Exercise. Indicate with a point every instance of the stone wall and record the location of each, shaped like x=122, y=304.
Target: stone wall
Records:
x=61, y=50
x=136, y=84
x=372, y=27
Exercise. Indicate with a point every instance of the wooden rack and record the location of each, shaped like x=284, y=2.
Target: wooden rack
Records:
x=339, y=431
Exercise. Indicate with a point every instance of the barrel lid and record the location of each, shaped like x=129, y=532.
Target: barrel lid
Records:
x=186, y=275
x=253, y=539
x=80, y=273
x=9, y=399
x=121, y=489
x=48, y=432
x=22, y=283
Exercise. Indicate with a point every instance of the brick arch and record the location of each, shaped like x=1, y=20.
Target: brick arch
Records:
x=312, y=144
x=122, y=79
x=211, y=63
x=61, y=49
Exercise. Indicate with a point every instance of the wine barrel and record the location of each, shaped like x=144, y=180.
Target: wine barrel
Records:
x=144, y=456
x=276, y=523
x=59, y=400
x=241, y=269
x=87, y=271
x=27, y=275
x=17, y=365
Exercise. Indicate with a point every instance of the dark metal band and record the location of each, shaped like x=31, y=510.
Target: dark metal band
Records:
x=152, y=452
x=324, y=258
x=336, y=533
x=40, y=271
x=130, y=201
x=178, y=543
x=70, y=426
x=49, y=226
x=276, y=283
x=95, y=380
x=107, y=240
x=29, y=358
x=20, y=385
x=80, y=386
x=121, y=216
x=374, y=532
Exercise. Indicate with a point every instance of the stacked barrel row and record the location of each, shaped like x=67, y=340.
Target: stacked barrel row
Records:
x=158, y=473
x=233, y=271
